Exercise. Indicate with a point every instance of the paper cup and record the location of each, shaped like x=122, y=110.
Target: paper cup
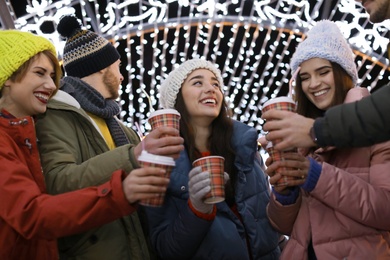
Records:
x=277, y=155
x=286, y=104
x=280, y=103
x=164, y=117
x=214, y=165
x=151, y=160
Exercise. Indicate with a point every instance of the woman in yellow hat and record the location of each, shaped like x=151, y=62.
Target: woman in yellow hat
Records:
x=30, y=219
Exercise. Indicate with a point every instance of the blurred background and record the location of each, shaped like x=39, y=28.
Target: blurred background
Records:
x=250, y=41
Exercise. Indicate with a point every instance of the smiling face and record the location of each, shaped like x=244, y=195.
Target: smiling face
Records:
x=317, y=81
x=29, y=95
x=202, y=96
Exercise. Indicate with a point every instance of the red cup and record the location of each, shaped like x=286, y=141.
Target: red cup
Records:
x=286, y=104
x=280, y=103
x=164, y=117
x=152, y=160
x=277, y=155
x=215, y=166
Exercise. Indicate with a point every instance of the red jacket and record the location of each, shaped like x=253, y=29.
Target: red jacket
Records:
x=30, y=219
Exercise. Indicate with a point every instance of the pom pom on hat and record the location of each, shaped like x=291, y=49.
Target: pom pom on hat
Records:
x=17, y=47
x=85, y=52
x=326, y=41
x=170, y=87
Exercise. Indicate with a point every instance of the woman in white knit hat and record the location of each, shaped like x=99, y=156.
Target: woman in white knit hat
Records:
x=187, y=228
x=338, y=206
x=30, y=219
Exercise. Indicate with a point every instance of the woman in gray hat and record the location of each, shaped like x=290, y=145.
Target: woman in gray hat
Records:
x=337, y=208
x=187, y=228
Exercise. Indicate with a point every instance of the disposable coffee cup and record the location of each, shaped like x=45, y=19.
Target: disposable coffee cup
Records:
x=280, y=103
x=286, y=104
x=164, y=162
x=215, y=166
x=164, y=117
x=277, y=155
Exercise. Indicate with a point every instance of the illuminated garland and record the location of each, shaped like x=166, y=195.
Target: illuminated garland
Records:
x=251, y=42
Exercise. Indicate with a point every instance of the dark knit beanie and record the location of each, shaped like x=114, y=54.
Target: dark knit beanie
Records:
x=85, y=52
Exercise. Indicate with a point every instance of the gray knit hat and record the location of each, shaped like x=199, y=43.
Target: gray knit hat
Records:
x=326, y=41
x=171, y=86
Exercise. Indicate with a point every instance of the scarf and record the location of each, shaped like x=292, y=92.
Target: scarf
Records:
x=93, y=102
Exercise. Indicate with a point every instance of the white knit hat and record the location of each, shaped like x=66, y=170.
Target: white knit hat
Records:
x=170, y=87
x=326, y=41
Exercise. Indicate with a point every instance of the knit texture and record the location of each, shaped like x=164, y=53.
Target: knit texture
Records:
x=171, y=86
x=85, y=52
x=17, y=47
x=326, y=41
x=93, y=102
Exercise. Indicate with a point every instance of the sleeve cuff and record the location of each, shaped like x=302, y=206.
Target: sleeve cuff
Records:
x=313, y=176
x=288, y=199
x=321, y=133
x=133, y=161
x=201, y=215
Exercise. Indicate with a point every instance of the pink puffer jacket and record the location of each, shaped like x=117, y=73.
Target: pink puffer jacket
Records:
x=347, y=214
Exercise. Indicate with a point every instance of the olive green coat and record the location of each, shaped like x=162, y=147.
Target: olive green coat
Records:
x=75, y=155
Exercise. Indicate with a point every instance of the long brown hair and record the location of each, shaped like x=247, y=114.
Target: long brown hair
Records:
x=219, y=140
x=343, y=83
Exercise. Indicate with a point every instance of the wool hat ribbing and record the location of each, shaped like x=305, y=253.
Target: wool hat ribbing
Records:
x=172, y=84
x=326, y=41
x=17, y=47
x=85, y=52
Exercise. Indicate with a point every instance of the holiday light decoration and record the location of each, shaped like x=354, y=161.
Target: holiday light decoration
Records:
x=250, y=41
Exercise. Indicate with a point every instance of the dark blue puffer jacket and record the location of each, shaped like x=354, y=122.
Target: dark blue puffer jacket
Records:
x=177, y=233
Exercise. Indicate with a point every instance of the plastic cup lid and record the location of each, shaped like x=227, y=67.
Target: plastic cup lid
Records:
x=154, y=158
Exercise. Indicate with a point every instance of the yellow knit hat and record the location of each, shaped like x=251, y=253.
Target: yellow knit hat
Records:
x=17, y=47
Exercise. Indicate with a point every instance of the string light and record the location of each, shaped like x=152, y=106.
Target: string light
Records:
x=250, y=41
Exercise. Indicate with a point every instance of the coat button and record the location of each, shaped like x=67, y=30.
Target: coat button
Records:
x=104, y=191
x=93, y=239
x=183, y=188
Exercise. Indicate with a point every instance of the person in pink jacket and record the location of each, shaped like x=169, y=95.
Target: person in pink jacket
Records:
x=30, y=219
x=337, y=207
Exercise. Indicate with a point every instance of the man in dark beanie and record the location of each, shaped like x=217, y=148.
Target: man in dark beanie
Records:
x=82, y=142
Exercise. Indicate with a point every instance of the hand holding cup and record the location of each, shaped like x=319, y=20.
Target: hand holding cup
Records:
x=286, y=104
x=215, y=166
x=144, y=183
x=294, y=165
x=166, y=163
x=164, y=117
x=199, y=186
x=164, y=139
